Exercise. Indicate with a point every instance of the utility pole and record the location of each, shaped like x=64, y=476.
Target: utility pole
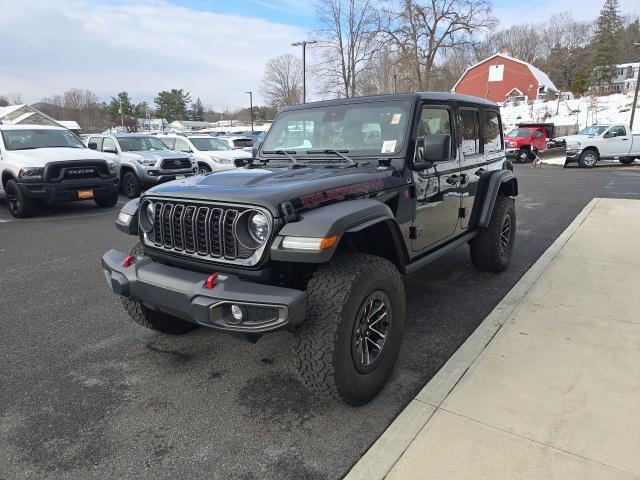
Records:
x=635, y=96
x=395, y=81
x=251, y=107
x=304, y=44
x=121, y=115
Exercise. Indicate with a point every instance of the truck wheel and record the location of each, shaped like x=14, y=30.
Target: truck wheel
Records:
x=588, y=159
x=158, y=321
x=203, y=168
x=108, y=201
x=20, y=205
x=627, y=160
x=130, y=185
x=523, y=156
x=491, y=249
x=348, y=344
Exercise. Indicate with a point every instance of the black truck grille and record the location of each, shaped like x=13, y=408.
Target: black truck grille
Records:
x=175, y=163
x=197, y=229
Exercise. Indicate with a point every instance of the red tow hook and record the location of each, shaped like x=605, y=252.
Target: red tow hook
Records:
x=211, y=281
x=128, y=261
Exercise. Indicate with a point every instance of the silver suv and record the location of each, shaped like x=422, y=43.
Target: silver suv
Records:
x=143, y=160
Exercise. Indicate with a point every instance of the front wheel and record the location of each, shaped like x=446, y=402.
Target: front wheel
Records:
x=588, y=159
x=153, y=319
x=348, y=344
x=492, y=248
x=130, y=185
x=20, y=206
x=523, y=156
x=203, y=168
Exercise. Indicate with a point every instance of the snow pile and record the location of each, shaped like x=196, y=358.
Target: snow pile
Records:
x=581, y=111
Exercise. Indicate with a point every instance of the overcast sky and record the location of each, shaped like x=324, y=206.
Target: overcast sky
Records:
x=216, y=50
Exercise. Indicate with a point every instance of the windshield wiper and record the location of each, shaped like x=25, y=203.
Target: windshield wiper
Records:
x=340, y=153
x=288, y=154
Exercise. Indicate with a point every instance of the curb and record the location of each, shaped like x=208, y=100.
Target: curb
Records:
x=378, y=461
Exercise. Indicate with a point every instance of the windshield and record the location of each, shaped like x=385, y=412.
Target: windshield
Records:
x=519, y=132
x=39, y=138
x=209, y=144
x=361, y=129
x=593, y=130
x=138, y=144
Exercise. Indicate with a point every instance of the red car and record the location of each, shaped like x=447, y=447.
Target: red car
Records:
x=521, y=142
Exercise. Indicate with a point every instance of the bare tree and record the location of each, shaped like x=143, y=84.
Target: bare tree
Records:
x=523, y=42
x=421, y=30
x=282, y=81
x=348, y=43
x=12, y=98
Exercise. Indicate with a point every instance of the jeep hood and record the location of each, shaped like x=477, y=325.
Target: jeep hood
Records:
x=39, y=157
x=305, y=187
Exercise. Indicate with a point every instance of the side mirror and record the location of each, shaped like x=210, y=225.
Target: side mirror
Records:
x=431, y=149
x=92, y=145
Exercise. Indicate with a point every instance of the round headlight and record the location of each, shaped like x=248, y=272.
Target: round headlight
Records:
x=259, y=227
x=147, y=211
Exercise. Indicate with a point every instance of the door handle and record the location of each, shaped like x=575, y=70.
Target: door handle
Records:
x=625, y=139
x=454, y=179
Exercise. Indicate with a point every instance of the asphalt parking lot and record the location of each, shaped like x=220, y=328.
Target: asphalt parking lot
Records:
x=86, y=393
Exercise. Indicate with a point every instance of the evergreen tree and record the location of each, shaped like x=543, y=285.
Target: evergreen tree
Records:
x=197, y=110
x=606, y=44
x=172, y=104
x=120, y=107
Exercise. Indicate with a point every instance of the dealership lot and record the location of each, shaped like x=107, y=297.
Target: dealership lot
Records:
x=89, y=394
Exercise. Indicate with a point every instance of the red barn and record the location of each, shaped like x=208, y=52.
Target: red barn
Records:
x=501, y=77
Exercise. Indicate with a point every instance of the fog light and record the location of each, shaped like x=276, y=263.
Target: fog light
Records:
x=236, y=311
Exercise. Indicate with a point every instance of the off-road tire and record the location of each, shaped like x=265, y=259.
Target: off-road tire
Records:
x=131, y=185
x=588, y=159
x=488, y=252
x=627, y=160
x=20, y=206
x=109, y=201
x=158, y=321
x=323, y=345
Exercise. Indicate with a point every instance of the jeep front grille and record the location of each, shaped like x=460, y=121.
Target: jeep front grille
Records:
x=199, y=230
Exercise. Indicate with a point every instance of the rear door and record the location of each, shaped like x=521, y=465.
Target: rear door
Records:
x=437, y=188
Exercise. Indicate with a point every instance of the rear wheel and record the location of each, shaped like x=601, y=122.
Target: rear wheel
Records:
x=492, y=248
x=588, y=159
x=523, y=155
x=627, y=160
x=152, y=319
x=130, y=185
x=348, y=344
x=20, y=206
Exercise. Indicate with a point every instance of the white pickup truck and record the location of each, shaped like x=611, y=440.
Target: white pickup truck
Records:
x=602, y=142
x=50, y=164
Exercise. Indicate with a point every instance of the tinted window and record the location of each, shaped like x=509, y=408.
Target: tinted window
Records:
x=138, y=144
x=435, y=121
x=491, y=132
x=469, y=132
x=619, y=131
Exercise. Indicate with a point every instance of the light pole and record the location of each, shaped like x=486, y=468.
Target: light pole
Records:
x=395, y=81
x=635, y=96
x=304, y=44
x=251, y=107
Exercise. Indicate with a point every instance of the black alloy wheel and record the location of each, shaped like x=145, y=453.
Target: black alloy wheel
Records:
x=370, y=331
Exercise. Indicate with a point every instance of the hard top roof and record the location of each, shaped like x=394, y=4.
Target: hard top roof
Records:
x=444, y=97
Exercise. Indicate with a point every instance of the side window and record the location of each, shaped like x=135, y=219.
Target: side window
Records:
x=169, y=142
x=108, y=145
x=182, y=145
x=469, y=132
x=619, y=131
x=538, y=134
x=434, y=121
x=491, y=132
x=97, y=141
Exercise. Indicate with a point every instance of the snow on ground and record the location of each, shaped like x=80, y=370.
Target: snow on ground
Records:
x=582, y=111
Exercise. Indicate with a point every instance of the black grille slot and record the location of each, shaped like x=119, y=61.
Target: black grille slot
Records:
x=230, y=244
x=200, y=230
x=189, y=234
x=215, y=238
x=175, y=163
x=255, y=314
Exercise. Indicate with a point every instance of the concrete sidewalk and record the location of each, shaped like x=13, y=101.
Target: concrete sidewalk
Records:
x=548, y=386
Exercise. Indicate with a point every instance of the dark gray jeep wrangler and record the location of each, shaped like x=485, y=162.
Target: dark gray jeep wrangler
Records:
x=343, y=198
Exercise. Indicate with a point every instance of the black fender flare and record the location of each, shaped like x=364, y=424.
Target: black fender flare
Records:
x=489, y=187
x=131, y=226
x=336, y=219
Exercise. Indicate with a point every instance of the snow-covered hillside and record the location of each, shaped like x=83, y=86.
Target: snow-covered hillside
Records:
x=583, y=111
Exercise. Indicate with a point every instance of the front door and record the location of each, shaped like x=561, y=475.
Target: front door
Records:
x=437, y=188
x=618, y=144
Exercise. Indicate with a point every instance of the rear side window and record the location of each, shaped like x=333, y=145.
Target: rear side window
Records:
x=539, y=134
x=491, y=132
x=469, y=132
x=169, y=142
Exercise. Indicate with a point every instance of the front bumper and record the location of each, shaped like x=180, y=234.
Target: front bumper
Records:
x=154, y=177
x=182, y=293
x=511, y=152
x=67, y=190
